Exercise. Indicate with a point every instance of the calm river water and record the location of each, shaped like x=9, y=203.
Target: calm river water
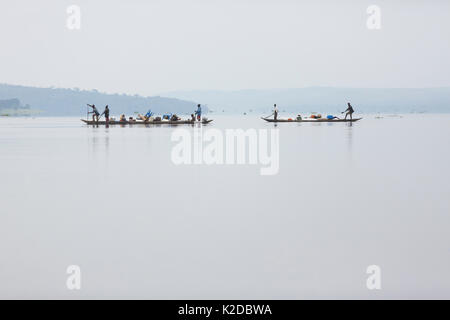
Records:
x=112, y=201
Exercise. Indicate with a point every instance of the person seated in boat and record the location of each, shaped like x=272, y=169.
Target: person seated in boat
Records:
x=131, y=119
x=175, y=118
x=167, y=116
x=106, y=113
x=148, y=115
x=198, y=112
x=122, y=118
x=192, y=118
x=331, y=117
x=349, y=111
x=299, y=117
x=95, y=113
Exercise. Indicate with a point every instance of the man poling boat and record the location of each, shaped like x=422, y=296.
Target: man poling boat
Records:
x=274, y=113
x=198, y=112
x=95, y=113
x=106, y=113
x=349, y=111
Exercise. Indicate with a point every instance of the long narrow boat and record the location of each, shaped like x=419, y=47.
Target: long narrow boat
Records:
x=312, y=120
x=140, y=122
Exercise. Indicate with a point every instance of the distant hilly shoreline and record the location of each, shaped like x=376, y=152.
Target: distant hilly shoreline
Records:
x=72, y=102
x=19, y=100
x=324, y=99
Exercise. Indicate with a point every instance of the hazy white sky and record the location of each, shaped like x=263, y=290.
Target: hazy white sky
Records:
x=154, y=46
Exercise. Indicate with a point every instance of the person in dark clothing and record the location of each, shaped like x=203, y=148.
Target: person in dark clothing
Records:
x=95, y=113
x=106, y=113
x=349, y=111
x=275, y=112
x=198, y=112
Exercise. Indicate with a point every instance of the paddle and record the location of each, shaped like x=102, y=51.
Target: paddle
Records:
x=268, y=116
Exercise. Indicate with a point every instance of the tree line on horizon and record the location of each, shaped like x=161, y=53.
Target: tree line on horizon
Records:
x=72, y=102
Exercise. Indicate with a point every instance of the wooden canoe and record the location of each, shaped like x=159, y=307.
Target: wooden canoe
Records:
x=140, y=122
x=312, y=120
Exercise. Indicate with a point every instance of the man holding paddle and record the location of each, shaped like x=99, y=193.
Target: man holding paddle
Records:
x=198, y=112
x=106, y=113
x=275, y=112
x=95, y=113
x=349, y=111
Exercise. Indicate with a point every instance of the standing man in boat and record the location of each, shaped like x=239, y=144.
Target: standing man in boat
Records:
x=349, y=111
x=198, y=112
x=275, y=112
x=94, y=112
x=106, y=113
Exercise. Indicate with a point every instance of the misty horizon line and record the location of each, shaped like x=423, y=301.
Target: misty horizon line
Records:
x=161, y=94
